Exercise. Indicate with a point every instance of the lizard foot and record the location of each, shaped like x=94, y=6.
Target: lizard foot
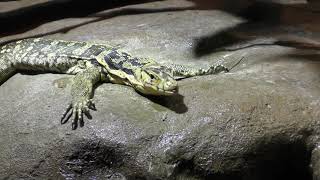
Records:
x=76, y=110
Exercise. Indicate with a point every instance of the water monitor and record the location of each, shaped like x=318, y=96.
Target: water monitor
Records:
x=92, y=63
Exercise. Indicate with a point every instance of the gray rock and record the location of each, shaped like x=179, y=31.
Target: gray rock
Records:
x=260, y=121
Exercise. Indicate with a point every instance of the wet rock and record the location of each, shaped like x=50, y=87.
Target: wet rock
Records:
x=259, y=121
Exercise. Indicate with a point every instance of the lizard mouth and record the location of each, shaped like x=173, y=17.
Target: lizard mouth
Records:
x=160, y=91
x=172, y=91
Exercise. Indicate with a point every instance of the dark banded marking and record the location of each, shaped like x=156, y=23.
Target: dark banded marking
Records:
x=111, y=65
x=128, y=71
x=134, y=62
x=117, y=66
x=125, y=55
x=121, y=57
x=93, y=51
x=131, y=60
x=114, y=54
x=118, y=60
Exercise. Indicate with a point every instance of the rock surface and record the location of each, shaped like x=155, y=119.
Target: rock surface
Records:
x=260, y=121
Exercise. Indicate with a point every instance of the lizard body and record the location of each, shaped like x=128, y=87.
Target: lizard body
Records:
x=92, y=63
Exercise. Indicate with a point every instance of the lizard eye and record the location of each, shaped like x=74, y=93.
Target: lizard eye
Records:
x=152, y=76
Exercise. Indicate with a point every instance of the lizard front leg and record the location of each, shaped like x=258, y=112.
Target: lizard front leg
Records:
x=82, y=91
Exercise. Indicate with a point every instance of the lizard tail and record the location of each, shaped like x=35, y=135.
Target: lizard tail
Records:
x=6, y=70
x=236, y=64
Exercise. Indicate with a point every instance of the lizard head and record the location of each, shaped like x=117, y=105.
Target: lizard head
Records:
x=156, y=80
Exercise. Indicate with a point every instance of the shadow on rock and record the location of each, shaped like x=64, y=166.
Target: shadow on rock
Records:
x=276, y=160
x=174, y=103
x=187, y=170
x=24, y=19
x=280, y=159
x=262, y=19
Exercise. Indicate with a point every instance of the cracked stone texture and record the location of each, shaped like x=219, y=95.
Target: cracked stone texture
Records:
x=260, y=121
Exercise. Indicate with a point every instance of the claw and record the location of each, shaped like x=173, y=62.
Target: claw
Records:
x=88, y=115
x=81, y=122
x=86, y=112
x=63, y=120
x=76, y=110
x=75, y=120
x=74, y=126
x=66, y=118
x=78, y=113
x=92, y=105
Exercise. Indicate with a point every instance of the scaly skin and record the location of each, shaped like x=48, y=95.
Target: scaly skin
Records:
x=6, y=69
x=92, y=63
